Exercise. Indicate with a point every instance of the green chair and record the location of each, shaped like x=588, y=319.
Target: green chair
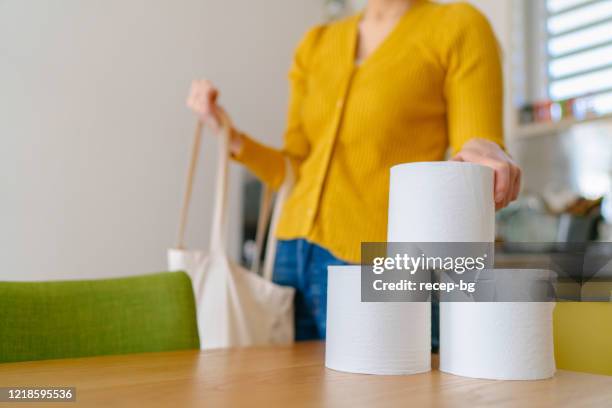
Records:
x=47, y=320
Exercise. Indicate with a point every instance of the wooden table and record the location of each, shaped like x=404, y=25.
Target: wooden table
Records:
x=284, y=377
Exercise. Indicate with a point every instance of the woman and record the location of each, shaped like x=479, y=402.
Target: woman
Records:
x=400, y=82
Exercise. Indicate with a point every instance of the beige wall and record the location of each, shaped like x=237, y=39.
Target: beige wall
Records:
x=93, y=129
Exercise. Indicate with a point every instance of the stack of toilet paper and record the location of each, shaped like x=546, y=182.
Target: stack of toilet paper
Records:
x=437, y=202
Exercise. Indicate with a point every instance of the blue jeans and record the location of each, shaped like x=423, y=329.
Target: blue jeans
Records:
x=303, y=266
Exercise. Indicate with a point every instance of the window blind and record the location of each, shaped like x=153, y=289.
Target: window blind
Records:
x=579, y=50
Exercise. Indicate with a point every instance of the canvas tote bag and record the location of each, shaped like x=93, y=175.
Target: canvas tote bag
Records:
x=235, y=307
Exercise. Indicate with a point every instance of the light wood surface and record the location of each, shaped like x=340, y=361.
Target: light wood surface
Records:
x=284, y=377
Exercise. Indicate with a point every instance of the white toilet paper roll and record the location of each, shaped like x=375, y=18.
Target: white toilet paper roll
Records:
x=501, y=341
x=373, y=338
x=441, y=202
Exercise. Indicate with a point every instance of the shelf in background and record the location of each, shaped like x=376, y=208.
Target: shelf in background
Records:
x=547, y=128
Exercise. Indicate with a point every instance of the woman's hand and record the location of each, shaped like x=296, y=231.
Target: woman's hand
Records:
x=202, y=100
x=507, y=173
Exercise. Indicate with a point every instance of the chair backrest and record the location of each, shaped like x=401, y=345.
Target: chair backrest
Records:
x=583, y=331
x=47, y=320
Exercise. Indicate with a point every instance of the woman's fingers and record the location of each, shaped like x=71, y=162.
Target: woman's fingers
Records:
x=501, y=172
x=507, y=174
x=513, y=188
x=516, y=184
x=202, y=100
x=502, y=183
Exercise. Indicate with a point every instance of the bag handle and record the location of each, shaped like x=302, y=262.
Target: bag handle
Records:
x=218, y=226
x=282, y=195
x=218, y=237
x=191, y=170
x=218, y=234
x=263, y=218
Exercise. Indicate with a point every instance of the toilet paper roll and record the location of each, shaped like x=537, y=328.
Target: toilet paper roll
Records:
x=373, y=338
x=501, y=341
x=441, y=202
x=503, y=285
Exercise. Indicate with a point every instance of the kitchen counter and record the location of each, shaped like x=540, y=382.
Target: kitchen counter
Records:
x=522, y=260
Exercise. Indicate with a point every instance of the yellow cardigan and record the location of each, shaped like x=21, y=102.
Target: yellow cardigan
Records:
x=435, y=81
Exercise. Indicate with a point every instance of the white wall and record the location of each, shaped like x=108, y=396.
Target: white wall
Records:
x=94, y=133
